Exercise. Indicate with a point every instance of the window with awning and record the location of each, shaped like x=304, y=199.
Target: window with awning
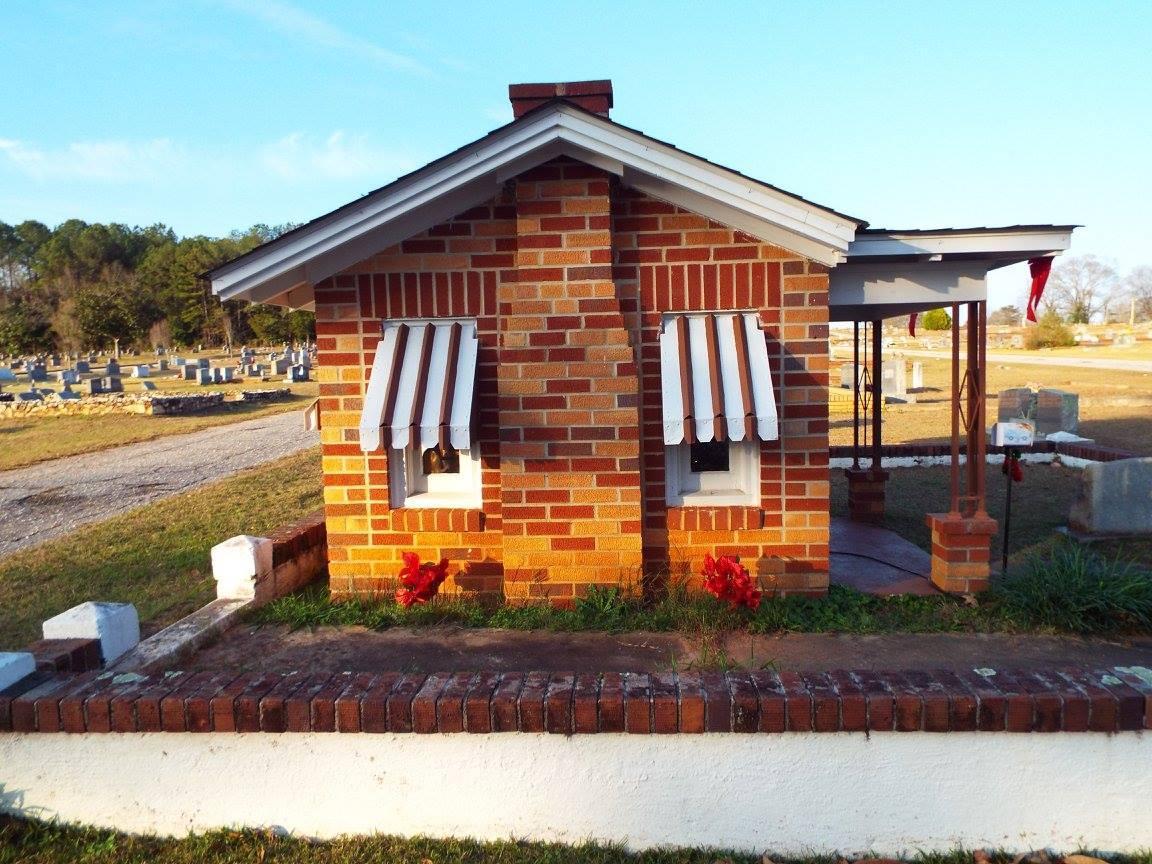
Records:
x=420, y=389
x=715, y=379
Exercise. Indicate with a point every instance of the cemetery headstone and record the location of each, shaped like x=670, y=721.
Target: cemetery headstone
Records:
x=113, y=368
x=95, y=386
x=1115, y=498
x=37, y=372
x=203, y=362
x=281, y=365
x=191, y=373
x=67, y=376
x=1014, y=403
x=83, y=366
x=141, y=371
x=112, y=384
x=148, y=385
x=204, y=375
x=1057, y=411
x=893, y=378
x=917, y=375
x=299, y=373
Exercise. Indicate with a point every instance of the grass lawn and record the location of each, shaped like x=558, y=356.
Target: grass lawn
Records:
x=28, y=440
x=33, y=842
x=1114, y=405
x=157, y=556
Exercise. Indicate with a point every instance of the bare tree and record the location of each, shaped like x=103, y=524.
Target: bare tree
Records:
x=1138, y=291
x=1081, y=289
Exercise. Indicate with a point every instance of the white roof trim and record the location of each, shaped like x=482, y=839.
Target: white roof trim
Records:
x=474, y=174
x=1011, y=242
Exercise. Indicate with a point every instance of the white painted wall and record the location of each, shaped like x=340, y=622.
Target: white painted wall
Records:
x=791, y=793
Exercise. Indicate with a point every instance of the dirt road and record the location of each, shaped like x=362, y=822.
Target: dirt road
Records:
x=49, y=499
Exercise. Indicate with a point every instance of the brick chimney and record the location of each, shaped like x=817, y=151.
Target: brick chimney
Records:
x=595, y=96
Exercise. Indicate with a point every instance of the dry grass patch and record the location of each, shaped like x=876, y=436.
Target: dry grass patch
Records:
x=1114, y=405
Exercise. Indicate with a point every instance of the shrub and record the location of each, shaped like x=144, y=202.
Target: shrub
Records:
x=936, y=319
x=1068, y=588
x=1049, y=332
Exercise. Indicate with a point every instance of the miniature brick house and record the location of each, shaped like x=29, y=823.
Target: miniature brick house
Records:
x=569, y=354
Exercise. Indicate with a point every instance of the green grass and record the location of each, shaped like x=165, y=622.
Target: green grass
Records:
x=157, y=556
x=33, y=842
x=843, y=611
x=28, y=440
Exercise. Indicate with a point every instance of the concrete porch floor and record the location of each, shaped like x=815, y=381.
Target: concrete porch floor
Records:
x=875, y=560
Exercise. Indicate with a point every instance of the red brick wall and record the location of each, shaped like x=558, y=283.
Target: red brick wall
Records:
x=451, y=270
x=569, y=450
x=673, y=260
x=567, y=274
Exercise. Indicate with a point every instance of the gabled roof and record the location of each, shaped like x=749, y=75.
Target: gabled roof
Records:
x=285, y=269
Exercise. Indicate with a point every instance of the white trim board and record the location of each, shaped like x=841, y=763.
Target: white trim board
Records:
x=474, y=174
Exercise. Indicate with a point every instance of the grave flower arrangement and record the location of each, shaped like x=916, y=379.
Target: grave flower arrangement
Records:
x=729, y=581
x=420, y=582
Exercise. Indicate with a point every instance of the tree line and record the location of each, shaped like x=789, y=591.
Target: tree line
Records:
x=82, y=286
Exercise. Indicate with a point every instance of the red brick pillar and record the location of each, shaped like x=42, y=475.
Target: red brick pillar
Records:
x=866, y=494
x=960, y=551
x=568, y=385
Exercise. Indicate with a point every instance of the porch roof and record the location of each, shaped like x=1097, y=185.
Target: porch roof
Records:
x=894, y=272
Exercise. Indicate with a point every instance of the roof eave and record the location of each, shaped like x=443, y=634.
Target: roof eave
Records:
x=474, y=174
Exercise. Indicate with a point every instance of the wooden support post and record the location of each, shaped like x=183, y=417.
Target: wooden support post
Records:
x=877, y=393
x=855, y=394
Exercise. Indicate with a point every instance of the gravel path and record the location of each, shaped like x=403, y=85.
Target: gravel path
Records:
x=44, y=501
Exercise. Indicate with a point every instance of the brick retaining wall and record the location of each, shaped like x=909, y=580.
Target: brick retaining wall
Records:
x=565, y=703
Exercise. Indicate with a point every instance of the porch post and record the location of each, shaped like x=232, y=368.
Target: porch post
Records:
x=961, y=538
x=866, y=486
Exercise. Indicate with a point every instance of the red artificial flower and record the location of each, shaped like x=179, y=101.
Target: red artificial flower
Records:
x=728, y=580
x=420, y=582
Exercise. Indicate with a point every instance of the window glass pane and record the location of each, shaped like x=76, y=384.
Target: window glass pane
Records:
x=708, y=456
x=441, y=460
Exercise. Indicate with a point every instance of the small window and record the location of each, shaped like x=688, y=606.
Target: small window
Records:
x=708, y=456
x=713, y=473
x=438, y=476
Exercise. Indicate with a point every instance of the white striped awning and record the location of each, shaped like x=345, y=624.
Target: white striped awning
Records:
x=421, y=385
x=715, y=378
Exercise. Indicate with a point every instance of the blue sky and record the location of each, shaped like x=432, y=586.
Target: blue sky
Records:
x=210, y=115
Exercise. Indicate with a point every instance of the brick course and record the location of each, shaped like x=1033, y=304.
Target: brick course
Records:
x=762, y=701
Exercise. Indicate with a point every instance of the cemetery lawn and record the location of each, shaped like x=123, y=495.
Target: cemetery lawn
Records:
x=31, y=841
x=28, y=440
x=1114, y=404
x=157, y=556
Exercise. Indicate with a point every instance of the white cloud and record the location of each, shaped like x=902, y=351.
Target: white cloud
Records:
x=303, y=25
x=338, y=157
x=104, y=161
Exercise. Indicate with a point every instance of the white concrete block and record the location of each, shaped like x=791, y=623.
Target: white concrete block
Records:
x=15, y=666
x=238, y=564
x=116, y=625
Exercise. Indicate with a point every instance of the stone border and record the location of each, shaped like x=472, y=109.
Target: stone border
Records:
x=1074, y=700
x=289, y=558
